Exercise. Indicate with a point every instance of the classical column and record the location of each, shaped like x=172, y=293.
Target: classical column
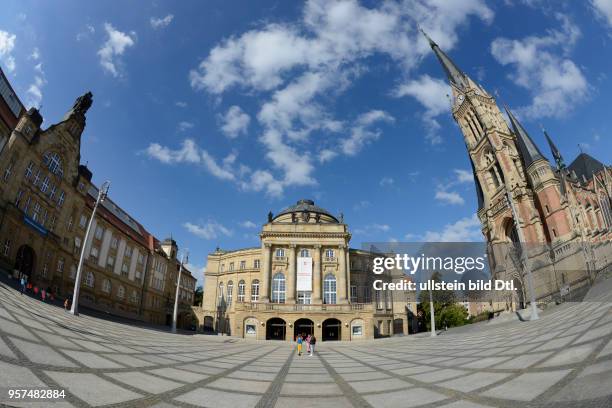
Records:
x=316, y=275
x=341, y=284
x=264, y=289
x=291, y=276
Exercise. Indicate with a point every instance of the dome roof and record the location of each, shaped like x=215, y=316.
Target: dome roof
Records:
x=305, y=205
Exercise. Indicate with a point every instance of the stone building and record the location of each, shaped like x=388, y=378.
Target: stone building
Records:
x=304, y=278
x=559, y=217
x=46, y=199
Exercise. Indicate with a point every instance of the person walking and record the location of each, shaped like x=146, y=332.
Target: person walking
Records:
x=299, y=345
x=308, y=344
x=43, y=294
x=23, y=284
x=313, y=341
x=66, y=304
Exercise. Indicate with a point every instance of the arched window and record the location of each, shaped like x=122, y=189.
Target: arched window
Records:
x=241, y=290
x=89, y=279
x=329, y=289
x=280, y=252
x=106, y=286
x=278, y=288
x=121, y=292
x=304, y=253
x=255, y=291
x=230, y=292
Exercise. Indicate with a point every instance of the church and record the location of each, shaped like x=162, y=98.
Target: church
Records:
x=552, y=219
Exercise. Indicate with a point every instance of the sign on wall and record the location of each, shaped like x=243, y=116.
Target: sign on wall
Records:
x=304, y=274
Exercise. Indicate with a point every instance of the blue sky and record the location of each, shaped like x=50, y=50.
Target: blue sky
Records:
x=207, y=115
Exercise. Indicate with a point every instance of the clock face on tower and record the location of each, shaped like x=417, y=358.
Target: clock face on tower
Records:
x=460, y=98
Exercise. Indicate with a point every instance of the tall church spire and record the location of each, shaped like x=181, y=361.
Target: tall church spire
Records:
x=454, y=74
x=529, y=151
x=555, y=152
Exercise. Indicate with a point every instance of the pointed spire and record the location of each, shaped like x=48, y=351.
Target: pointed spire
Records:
x=454, y=74
x=555, y=152
x=529, y=151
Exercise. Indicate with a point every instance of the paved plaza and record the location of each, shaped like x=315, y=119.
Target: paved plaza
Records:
x=562, y=360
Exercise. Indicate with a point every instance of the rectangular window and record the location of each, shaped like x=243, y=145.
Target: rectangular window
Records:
x=36, y=212
x=99, y=232
x=110, y=261
x=36, y=178
x=242, y=264
x=60, y=265
x=353, y=294
x=61, y=199
x=77, y=242
x=367, y=297
x=51, y=225
x=94, y=252
x=255, y=291
x=43, y=218
x=114, y=243
x=256, y=264
x=231, y=267
x=7, y=247
x=18, y=198
x=140, y=258
x=304, y=297
x=124, y=269
x=45, y=185
x=83, y=221
x=128, y=251
x=26, y=207
x=241, y=289
x=52, y=191
x=29, y=170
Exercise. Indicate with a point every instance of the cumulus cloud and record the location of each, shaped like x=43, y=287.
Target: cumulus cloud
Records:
x=7, y=44
x=603, y=9
x=541, y=66
x=372, y=229
x=163, y=22
x=208, y=230
x=235, y=121
x=248, y=224
x=86, y=32
x=184, y=126
x=449, y=197
x=297, y=69
x=464, y=230
x=463, y=176
x=113, y=48
x=432, y=94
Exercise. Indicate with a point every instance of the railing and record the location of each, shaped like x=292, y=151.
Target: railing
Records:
x=330, y=259
x=298, y=307
x=280, y=258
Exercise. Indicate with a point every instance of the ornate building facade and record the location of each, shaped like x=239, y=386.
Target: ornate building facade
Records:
x=304, y=278
x=560, y=217
x=46, y=199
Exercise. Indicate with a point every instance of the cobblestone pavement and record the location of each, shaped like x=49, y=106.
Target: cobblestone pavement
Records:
x=562, y=360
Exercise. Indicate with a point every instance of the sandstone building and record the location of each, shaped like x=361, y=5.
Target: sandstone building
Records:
x=46, y=199
x=304, y=278
x=563, y=219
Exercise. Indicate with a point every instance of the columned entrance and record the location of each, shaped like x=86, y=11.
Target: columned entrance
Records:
x=332, y=330
x=303, y=326
x=25, y=260
x=276, y=329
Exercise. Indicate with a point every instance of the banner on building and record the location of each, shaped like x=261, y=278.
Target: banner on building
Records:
x=304, y=274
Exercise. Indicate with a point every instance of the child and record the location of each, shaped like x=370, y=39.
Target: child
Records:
x=299, y=345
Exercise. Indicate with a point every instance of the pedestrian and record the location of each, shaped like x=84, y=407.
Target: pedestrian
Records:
x=313, y=341
x=43, y=294
x=35, y=291
x=299, y=345
x=308, y=338
x=23, y=284
x=66, y=304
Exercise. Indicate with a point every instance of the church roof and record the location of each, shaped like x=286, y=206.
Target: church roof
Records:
x=529, y=151
x=585, y=165
x=305, y=205
x=454, y=74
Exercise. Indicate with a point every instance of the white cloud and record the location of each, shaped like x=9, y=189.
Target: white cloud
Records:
x=541, y=65
x=35, y=55
x=386, y=182
x=114, y=47
x=181, y=104
x=86, y=33
x=184, y=126
x=248, y=224
x=34, y=91
x=372, y=229
x=208, y=230
x=465, y=230
x=463, y=176
x=7, y=44
x=157, y=23
x=449, y=197
x=603, y=9
x=432, y=94
x=235, y=122
x=299, y=67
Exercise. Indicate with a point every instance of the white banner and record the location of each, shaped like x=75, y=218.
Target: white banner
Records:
x=304, y=274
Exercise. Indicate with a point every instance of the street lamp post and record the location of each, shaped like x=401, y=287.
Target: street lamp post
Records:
x=102, y=193
x=178, y=288
x=525, y=259
x=431, y=312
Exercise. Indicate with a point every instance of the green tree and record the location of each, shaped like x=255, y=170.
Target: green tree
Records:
x=198, y=296
x=446, y=310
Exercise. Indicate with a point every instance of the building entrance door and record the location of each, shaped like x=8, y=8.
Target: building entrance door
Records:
x=276, y=329
x=332, y=330
x=24, y=262
x=303, y=326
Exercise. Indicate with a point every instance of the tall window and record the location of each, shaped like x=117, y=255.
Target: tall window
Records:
x=106, y=286
x=45, y=185
x=36, y=178
x=7, y=172
x=280, y=252
x=278, y=288
x=54, y=162
x=99, y=232
x=230, y=292
x=89, y=279
x=329, y=253
x=304, y=297
x=52, y=191
x=241, y=289
x=61, y=199
x=231, y=267
x=121, y=292
x=256, y=264
x=7, y=247
x=255, y=291
x=220, y=300
x=329, y=289
x=36, y=211
x=304, y=253
x=60, y=265
x=29, y=170
x=242, y=264
x=353, y=294
x=379, y=302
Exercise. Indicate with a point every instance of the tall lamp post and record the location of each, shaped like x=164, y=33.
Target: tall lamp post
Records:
x=431, y=311
x=102, y=193
x=178, y=288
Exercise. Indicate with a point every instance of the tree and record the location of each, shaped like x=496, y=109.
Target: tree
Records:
x=446, y=310
x=198, y=296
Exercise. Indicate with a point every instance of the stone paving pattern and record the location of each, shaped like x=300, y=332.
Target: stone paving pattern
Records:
x=562, y=360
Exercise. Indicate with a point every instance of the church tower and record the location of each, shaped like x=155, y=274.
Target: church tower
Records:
x=504, y=160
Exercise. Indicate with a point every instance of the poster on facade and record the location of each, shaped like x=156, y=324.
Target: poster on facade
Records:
x=304, y=274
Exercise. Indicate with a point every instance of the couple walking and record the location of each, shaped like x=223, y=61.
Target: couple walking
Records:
x=310, y=343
